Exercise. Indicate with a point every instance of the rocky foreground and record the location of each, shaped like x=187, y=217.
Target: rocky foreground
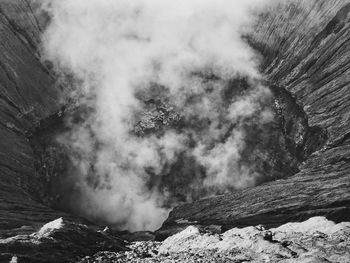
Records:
x=57, y=241
x=314, y=240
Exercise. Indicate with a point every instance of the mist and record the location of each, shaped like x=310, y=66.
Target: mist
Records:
x=122, y=54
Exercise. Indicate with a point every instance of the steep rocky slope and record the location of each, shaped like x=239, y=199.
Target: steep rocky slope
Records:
x=28, y=98
x=305, y=53
x=305, y=50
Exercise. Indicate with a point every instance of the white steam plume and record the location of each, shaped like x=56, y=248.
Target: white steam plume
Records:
x=117, y=48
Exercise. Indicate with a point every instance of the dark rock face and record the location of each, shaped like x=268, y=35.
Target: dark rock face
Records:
x=305, y=53
x=30, y=104
x=27, y=95
x=267, y=152
x=301, y=140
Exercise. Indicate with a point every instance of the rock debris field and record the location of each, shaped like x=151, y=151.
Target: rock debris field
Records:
x=315, y=240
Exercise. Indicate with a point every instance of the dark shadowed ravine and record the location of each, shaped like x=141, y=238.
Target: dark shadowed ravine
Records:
x=302, y=156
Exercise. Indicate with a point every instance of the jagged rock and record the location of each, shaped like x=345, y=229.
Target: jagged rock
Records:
x=58, y=241
x=267, y=153
x=315, y=240
x=161, y=116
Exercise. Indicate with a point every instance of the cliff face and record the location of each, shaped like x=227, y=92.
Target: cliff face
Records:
x=29, y=98
x=305, y=51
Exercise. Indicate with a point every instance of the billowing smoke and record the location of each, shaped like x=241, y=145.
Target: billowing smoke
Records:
x=163, y=66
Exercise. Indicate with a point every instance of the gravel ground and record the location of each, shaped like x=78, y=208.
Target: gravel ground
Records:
x=147, y=252
x=316, y=240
